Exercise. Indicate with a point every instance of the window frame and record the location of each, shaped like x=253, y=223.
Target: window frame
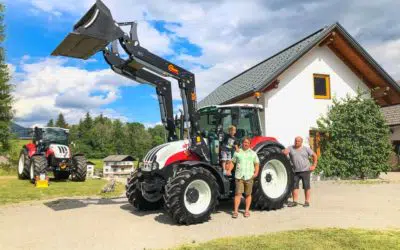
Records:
x=327, y=86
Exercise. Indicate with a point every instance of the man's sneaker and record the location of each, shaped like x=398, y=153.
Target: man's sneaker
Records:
x=292, y=204
x=306, y=204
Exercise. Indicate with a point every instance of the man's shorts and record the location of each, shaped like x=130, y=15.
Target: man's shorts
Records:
x=305, y=179
x=226, y=155
x=242, y=186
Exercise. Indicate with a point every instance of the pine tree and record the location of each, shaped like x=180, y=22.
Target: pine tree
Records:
x=87, y=122
x=61, y=121
x=6, y=113
x=50, y=123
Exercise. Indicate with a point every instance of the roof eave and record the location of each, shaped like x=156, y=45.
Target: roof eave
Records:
x=368, y=57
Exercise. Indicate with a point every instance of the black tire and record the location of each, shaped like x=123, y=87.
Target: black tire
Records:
x=61, y=175
x=176, y=192
x=134, y=194
x=79, y=168
x=23, y=172
x=262, y=200
x=38, y=166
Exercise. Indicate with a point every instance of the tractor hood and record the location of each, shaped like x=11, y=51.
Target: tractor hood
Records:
x=60, y=151
x=166, y=154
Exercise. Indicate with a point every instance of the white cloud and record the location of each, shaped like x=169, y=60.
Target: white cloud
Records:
x=47, y=87
x=388, y=55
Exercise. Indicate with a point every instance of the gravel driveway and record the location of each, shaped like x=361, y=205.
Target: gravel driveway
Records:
x=114, y=224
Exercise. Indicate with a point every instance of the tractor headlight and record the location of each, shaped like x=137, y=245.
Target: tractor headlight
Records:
x=154, y=166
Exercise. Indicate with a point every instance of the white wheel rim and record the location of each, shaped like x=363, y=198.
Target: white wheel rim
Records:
x=21, y=164
x=274, y=178
x=31, y=172
x=203, y=200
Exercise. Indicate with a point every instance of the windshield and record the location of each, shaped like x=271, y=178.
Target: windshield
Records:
x=55, y=135
x=207, y=121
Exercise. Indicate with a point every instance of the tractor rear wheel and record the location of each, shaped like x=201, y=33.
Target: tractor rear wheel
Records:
x=61, y=175
x=274, y=183
x=79, y=168
x=38, y=166
x=191, y=195
x=23, y=165
x=135, y=197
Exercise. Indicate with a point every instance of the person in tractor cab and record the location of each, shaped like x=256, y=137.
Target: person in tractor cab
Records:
x=300, y=155
x=247, y=167
x=229, y=144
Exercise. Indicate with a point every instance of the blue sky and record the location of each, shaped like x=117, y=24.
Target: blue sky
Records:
x=34, y=35
x=214, y=39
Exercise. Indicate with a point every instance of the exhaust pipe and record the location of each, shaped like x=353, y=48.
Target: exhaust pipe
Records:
x=91, y=34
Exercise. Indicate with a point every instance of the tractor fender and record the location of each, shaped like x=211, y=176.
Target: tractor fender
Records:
x=30, y=148
x=264, y=144
x=222, y=182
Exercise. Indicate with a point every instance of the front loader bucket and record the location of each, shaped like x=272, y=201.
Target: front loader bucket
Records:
x=94, y=31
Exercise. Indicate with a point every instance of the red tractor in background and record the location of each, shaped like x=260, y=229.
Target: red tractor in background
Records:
x=49, y=151
x=184, y=174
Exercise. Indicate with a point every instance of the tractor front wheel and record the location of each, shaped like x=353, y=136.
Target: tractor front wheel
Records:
x=79, y=168
x=23, y=165
x=191, y=195
x=135, y=195
x=274, y=183
x=38, y=165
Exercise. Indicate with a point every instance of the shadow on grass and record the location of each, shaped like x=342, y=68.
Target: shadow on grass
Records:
x=66, y=204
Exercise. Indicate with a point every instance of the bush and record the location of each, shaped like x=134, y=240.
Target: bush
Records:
x=357, y=140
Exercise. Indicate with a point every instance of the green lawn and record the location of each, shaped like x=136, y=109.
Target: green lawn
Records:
x=98, y=163
x=309, y=239
x=13, y=190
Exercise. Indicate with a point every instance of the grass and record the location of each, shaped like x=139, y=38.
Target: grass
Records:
x=13, y=190
x=8, y=171
x=330, y=238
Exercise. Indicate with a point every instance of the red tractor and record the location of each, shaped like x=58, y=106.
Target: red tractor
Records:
x=49, y=151
x=183, y=175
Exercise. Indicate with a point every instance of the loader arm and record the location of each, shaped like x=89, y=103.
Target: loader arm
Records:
x=163, y=87
x=97, y=29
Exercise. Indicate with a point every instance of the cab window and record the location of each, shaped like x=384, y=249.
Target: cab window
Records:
x=207, y=122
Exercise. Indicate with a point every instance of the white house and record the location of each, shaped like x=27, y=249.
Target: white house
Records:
x=118, y=165
x=298, y=83
x=89, y=169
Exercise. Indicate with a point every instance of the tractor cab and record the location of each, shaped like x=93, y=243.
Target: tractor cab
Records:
x=50, y=135
x=215, y=121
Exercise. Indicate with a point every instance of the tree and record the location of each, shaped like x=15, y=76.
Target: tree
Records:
x=50, y=123
x=158, y=135
x=138, y=141
x=61, y=121
x=88, y=122
x=118, y=137
x=6, y=113
x=357, y=140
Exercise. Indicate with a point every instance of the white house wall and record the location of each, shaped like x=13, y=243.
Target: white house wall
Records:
x=291, y=109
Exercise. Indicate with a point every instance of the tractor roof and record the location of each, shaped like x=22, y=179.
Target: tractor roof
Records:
x=66, y=130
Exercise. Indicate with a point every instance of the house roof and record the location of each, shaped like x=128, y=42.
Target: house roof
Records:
x=119, y=158
x=264, y=74
x=90, y=163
